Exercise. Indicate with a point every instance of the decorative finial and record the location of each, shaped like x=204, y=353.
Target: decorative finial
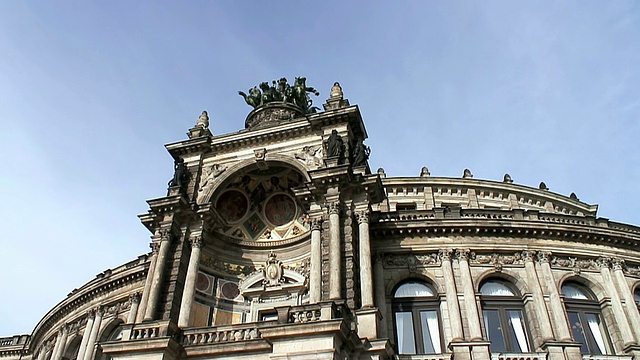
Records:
x=507, y=178
x=424, y=172
x=467, y=174
x=336, y=91
x=543, y=186
x=382, y=173
x=203, y=120
x=573, y=196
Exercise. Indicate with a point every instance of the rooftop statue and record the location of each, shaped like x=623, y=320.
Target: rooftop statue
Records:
x=281, y=91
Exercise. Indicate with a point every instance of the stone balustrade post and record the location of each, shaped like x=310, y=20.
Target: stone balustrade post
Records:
x=625, y=291
x=190, y=282
x=453, y=306
x=555, y=302
x=616, y=304
x=158, y=275
x=134, y=300
x=95, y=329
x=335, y=255
x=366, y=280
x=86, y=333
x=315, y=271
x=471, y=306
x=542, y=314
x=381, y=299
x=155, y=247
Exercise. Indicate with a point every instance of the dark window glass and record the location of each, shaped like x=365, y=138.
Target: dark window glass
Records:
x=504, y=321
x=416, y=319
x=583, y=313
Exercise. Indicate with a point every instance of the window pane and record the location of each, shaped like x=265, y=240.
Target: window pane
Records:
x=495, y=288
x=406, y=337
x=430, y=332
x=596, y=333
x=516, y=331
x=494, y=330
x=574, y=292
x=636, y=296
x=413, y=289
x=578, y=331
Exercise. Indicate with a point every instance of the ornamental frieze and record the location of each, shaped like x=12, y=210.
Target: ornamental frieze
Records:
x=412, y=261
x=240, y=271
x=498, y=260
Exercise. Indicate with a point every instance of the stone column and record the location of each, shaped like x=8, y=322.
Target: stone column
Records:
x=315, y=273
x=56, y=346
x=453, y=307
x=381, y=299
x=616, y=304
x=625, y=291
x=64, y=333
x=158, y=275
x=470, y=304
x=95, y=329
x=155, y=247
x=190, y=282
x=542, y=314
x=335, y=258
x=366, y=281
x=134, y=300
x=557, y=309
x=86, y=333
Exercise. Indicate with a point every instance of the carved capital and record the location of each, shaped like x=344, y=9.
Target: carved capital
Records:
x=134, y=298
x=544, y=256
x=333, y=208
x=445, y=254
x=529, y=255
x=603, y=262
x=196, y=241
x=617, y=264
x=91, y=313
x=464, y=254
x=362, y=216
x=155, y=247
x=164, y=234
x=315, y=223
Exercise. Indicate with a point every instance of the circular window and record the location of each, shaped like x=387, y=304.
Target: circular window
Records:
x=280, y=209
x=232, y=206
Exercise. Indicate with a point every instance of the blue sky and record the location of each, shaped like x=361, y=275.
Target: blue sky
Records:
x=90, y=92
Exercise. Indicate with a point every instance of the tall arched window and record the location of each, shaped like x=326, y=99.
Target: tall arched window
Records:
x=416, y=319
x=585, y=318
x=504, y=322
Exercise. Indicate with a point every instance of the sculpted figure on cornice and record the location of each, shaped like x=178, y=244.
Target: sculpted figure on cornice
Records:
x=281, y=91
x=209, y=174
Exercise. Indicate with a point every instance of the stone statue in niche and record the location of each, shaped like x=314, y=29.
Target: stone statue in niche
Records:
x=361, y=154
x=335, y=145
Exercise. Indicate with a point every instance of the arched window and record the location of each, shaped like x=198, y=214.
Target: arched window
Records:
x=504, y=322
x=636, y=297
x=583, y=311
x=416, y=319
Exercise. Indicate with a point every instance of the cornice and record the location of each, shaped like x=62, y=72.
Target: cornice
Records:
x=181, y=148
x=504, y=223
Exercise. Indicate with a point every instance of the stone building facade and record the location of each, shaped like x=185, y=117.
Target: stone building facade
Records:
x=278, y=242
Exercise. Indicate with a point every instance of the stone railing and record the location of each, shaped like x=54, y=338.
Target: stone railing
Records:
x=146, y=331
x=313, y=312
x=14, y=340
x=607, y=357
x=519, y=356
x=424, y=357
x=221, y=334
